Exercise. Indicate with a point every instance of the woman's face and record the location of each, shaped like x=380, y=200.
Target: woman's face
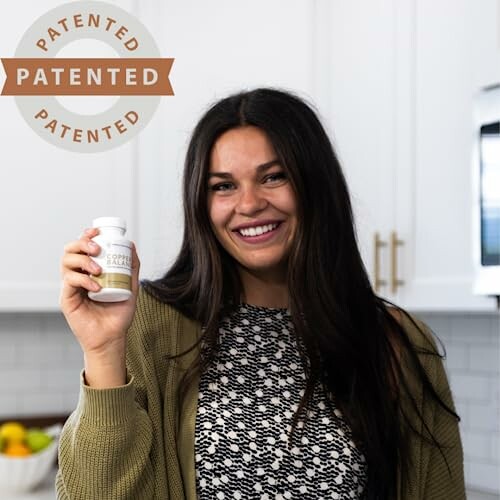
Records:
x=251, y=204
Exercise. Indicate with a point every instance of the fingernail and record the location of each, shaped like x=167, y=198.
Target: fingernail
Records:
x=88, y=230
x=92, y=245
x=94, y=266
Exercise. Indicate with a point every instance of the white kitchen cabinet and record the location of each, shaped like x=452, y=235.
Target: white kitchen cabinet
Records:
x=360, y=111
x=402, y=77
x=434, y=193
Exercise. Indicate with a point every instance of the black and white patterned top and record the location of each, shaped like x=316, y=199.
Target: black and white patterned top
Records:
x=246, y=403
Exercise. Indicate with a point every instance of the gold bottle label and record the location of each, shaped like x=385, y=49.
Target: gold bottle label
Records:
x=114, y=280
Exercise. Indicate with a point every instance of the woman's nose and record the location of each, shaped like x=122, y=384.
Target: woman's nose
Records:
x=250, y=200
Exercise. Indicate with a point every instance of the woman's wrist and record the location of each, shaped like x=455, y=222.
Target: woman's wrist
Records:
x=106, y=369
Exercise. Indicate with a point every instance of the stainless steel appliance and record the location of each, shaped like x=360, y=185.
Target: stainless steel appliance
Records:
x=486, y=192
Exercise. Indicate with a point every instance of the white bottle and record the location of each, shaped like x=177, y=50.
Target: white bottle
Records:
x=115, y=260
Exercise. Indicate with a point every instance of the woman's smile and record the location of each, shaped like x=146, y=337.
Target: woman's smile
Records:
x=259, y=233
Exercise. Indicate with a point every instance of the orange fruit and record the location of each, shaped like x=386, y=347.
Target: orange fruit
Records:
x=17, y=450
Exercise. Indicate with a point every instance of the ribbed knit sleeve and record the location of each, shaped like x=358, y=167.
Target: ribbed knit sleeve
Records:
x=104, y=448
x=111, y=447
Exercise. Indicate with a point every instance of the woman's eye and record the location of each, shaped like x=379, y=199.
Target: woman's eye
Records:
x=223, y=186
x=276, y=176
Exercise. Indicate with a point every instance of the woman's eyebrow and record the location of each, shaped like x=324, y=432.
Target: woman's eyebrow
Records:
x=259, y=169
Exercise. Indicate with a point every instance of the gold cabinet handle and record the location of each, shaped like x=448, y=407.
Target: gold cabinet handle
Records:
x=395, y=243
x=376, y=262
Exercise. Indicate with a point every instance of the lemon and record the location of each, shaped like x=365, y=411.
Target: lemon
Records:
x=12, y=432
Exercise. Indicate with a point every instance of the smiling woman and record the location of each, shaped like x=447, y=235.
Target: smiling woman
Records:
x=262, y=364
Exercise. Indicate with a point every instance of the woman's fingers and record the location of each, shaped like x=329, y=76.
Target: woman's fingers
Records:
x=75, y=282
x=76, y=265
x=80, y=263
x=83, y=245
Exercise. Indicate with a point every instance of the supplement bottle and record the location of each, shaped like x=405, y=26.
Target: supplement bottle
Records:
x=115, y=259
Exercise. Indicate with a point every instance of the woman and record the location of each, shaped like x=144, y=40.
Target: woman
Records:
x=262, y=364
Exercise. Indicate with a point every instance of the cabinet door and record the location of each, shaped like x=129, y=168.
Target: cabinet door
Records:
x=434, y=193
x=361, y=115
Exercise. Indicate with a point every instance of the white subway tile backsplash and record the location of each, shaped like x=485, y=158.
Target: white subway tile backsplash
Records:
x=484, y=476
x=41, y=403
x=17, y=324
x=36, y=373
x=472, y=329
x=470, y=387
x=8, y=404
x=495, y=449
x=484, y=416
x=44, y=352
x=484, y=359
x=457, y=358
x=64, y=378
x=8, y=351
x=477, y=445
x=14, y=380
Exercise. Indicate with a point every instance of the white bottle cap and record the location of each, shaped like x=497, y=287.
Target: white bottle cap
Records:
x=110, y=222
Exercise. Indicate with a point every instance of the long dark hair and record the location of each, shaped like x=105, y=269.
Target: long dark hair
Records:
x=345, y=333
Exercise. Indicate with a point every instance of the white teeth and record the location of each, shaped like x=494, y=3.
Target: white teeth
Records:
x=257, y=230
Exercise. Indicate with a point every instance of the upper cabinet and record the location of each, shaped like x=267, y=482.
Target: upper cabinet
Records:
x=403, y=77
x=393, y=81
x=435, y=197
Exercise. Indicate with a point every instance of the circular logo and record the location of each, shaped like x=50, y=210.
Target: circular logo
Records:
x=138, y=76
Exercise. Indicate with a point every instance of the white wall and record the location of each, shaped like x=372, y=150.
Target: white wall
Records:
x=40, y=364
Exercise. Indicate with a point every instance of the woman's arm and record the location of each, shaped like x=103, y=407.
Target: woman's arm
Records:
x=105, y=447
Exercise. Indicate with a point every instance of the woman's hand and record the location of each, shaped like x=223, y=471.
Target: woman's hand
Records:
x=100, y=327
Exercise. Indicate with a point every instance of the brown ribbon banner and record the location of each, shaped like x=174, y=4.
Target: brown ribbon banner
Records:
x=115, y=76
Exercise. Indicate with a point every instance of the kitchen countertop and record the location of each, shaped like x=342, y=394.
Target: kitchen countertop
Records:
x=45, y=491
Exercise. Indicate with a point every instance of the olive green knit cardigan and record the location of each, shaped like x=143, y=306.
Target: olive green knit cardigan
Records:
x=137, y=442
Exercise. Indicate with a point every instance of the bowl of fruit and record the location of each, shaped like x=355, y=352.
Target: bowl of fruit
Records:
x=27, y=454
